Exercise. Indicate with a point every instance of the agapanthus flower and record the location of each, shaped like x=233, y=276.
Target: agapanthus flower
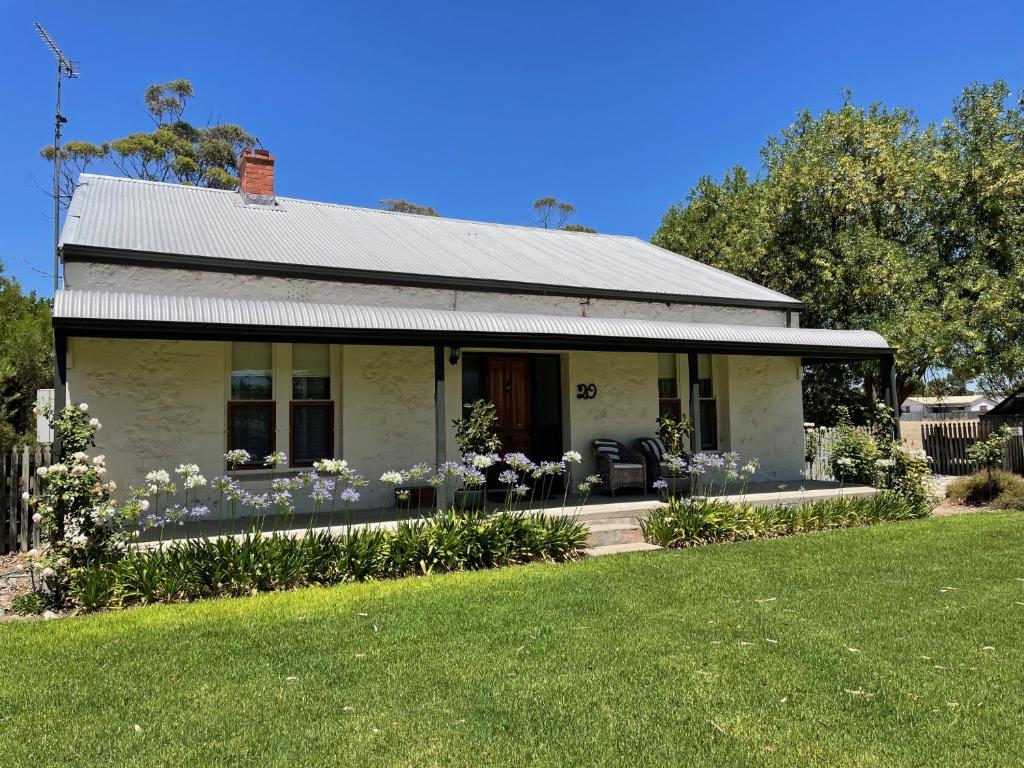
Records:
x=572, y=457
x=256, y=500
x=274, y=459
x=402, y=494
x=350, y=495
x=158, y=476
x=521, y=489
x=392, y=477
x=418, y=471
x=330, y=466
x=483, y=460
x=518, y=460
x=508, y=477
x=471, y=476
x=237, y=456
x=660, y=484
x=187, y=470
x=449, y=469
x=358, y=481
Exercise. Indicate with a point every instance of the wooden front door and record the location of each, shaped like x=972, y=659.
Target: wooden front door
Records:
x=509, y=387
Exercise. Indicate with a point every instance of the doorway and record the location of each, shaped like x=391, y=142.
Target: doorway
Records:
x=527, y=393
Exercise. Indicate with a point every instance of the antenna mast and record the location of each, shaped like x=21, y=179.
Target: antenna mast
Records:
x=65, y=68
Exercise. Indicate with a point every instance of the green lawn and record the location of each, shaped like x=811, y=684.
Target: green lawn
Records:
x=900, y=644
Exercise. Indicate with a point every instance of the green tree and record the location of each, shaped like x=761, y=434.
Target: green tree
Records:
x=26, y=358
x=551, y=213
x=404, y=206
x=874, y=221
x=174, y=151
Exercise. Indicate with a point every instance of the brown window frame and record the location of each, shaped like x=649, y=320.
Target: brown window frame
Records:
x=269, y=404
x=292, y=404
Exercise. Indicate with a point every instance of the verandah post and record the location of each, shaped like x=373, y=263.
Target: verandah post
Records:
x=440, y=451
x=694, y=376
x=890, y=391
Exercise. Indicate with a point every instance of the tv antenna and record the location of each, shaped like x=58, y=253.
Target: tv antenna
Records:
x=65, y=68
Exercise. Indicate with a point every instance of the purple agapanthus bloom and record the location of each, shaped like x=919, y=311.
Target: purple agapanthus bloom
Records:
x=349, y=495
x=508, y=477
x=198, y=511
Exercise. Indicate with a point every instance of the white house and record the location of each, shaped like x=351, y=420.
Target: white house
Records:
x=196, y=320
x=950, y=407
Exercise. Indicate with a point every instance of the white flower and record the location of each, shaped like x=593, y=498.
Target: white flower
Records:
x=483, y=461
x=41, y=471
x=58, y=468
x=83, y=407
x=195, y=481
x=101, y=471
x=188, y=470
x=144, y=505
x=79, y=469
x=98, y=460
x=97, y=426
x=330, y=466
x=572, y=457
x=33, y=553
x=80, y=456
x=158, y=476
x=391, y=477
x=36, y=517
x=111, y=486
x=26, y=496
x=49, y=573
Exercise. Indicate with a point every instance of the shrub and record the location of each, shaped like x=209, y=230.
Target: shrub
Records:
x=854, y=456
x=448, y=541
x=1010, y=498
x=706, y=521
x=979, y=489
x=30, y=604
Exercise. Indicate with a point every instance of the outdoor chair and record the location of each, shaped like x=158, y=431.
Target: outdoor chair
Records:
x=618, y=466
x=654, y=452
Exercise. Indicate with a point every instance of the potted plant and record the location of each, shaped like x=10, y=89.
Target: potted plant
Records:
x=675, y=434
x=474, y=434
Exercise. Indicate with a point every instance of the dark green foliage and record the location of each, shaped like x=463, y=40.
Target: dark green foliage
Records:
x=26, y=359
x=876, y=221
x=977, y=490
x=675, y=433
x=229, y=566
x=688, y=523
x=404, y=206
x=30, y=604
x=474, y=433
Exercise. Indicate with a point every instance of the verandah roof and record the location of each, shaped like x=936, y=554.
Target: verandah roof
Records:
x=144, y=315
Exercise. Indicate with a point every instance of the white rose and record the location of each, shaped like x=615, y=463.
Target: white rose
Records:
x=25, y=496
x=101, y=471
x=41, y=471
x=144, y=505
x=83, y=407
x=33, y=553
x=36, y=517
x=97, y=460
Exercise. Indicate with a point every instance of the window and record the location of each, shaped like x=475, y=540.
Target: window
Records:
x=251, y=408
x=668, y=386
x=708, y=409
x=312, y=412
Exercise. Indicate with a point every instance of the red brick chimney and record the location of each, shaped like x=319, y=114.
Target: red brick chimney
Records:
x=256, y=173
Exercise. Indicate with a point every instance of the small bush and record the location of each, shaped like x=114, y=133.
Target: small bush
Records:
x=975, y=490
x=705, y=521
x=1011, y=498
x=448, y=541
x=30, y=604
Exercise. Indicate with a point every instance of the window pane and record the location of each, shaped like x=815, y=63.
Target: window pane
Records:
x=666, y=365
x=312, y=433
x=251, y=370
x=252, y=428
x=667, y=388
x=708, y=425
x=705, y=376
x=311, y=372
x=670, y=408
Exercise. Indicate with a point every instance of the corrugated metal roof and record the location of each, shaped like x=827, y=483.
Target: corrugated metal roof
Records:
x=152, y=217
x=80, y=305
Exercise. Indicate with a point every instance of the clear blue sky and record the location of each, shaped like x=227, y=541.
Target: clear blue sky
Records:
x=478, y=108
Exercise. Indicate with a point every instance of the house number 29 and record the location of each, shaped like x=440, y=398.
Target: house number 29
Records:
x=586, y=391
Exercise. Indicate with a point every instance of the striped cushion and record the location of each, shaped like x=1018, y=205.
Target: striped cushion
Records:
x=609, y=448
x=654, y=447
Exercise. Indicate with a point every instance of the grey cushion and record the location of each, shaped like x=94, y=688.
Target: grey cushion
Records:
x=608, y=448
x=620, y=465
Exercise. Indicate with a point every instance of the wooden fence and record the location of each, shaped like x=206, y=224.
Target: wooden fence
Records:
x=947, y=442
x=17, y=475
x=818, y=450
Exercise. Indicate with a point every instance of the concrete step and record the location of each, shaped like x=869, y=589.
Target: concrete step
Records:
x=618, y=549
x=613, y=532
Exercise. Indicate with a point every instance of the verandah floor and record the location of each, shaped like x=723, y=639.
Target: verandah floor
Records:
x=599, y=506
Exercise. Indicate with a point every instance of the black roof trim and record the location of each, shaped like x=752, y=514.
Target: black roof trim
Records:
x=73, y=252
x=134, y=329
